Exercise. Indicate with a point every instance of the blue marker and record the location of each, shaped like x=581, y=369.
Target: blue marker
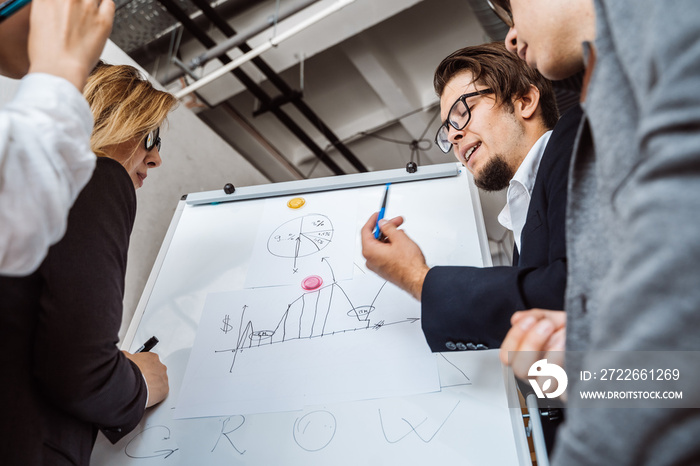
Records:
x=377, y=231
x=10, y=7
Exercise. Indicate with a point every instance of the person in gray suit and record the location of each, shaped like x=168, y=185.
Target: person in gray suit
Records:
x=634, y=190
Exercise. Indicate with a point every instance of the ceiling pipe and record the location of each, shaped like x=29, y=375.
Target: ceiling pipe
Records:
x=275, y=79
x=208, y=42
x=161, y=46
x=265, y=46
x=249, y=33
x=260, y=139
x=492, y=24
x=235, y=41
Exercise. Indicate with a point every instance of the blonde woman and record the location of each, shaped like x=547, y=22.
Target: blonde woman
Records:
x=68, y=379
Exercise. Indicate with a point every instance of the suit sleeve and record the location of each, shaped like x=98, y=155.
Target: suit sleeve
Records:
x=470, y=307
x=79, y=367
x=473, y=305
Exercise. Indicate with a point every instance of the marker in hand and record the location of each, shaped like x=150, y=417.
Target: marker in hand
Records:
x=148, y=346
x=377, y=232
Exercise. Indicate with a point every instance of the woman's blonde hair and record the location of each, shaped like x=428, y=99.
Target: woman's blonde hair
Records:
x=124, y=105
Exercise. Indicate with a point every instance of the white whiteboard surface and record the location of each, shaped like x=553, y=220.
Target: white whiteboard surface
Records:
x=207, y=250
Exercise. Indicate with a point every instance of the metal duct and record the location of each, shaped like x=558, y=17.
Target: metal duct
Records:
x=494, y=27
x=288, y=92
x=208, y=42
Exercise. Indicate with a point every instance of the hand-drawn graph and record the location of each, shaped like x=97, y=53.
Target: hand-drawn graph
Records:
x=321, y=341
x=301, y=237
x=313, y=314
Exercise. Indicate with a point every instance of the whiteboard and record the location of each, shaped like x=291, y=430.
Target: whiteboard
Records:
x=207, y=249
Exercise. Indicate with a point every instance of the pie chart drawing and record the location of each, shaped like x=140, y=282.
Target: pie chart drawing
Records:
x=301, y=237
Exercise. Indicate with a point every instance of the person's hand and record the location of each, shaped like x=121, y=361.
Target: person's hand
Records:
x=154, y=372
x=534, y=335
x=66, y=37
x=396, y=259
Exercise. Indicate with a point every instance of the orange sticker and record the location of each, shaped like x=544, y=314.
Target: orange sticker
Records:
x=296, y=203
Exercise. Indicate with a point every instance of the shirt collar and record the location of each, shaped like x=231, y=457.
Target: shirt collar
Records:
x=527, y=171
x=514, y=213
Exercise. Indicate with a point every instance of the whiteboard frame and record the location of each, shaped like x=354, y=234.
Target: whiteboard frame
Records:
x=294, y=187
x=314, y=185
x=329, y=184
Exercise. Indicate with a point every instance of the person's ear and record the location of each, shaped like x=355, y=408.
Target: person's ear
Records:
x=527, y=104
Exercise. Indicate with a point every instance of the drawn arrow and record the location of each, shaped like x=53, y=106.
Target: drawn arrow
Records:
x=381, y=323
x=325, y=259
x=297, y=246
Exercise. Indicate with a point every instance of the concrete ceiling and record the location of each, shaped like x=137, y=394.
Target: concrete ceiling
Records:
x=365, y=72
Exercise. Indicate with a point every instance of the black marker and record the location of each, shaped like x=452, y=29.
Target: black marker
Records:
x=148, y=346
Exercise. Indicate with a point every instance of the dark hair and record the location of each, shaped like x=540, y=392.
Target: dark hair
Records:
x=495, y=67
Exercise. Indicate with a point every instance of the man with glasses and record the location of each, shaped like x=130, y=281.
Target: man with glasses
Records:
x=634, y=198
x=498, y=116
x=45, y=156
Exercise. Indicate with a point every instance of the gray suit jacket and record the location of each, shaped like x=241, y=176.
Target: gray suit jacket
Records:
x=633, y=236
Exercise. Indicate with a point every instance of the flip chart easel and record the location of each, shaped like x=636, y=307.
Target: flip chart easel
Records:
x=207, y=250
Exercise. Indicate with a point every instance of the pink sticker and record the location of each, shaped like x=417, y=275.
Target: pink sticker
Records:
x=312, y=283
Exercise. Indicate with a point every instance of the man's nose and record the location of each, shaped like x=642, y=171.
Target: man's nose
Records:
x=511, y=40
x=454, y=135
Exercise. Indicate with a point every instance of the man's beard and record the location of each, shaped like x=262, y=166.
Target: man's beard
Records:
x=495, y=176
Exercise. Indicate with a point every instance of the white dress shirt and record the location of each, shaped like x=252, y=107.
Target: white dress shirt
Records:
x=45, y=160
x=519, y=193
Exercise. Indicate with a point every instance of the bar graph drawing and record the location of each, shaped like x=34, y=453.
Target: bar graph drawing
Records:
x=321, y=340
x=322, y=311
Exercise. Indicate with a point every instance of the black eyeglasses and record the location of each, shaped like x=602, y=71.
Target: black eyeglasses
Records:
x=458, y=117
x=152, y=140
x=502, y=12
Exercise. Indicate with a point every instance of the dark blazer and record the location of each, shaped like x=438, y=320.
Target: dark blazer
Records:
x=470, y=307
x=63, y=375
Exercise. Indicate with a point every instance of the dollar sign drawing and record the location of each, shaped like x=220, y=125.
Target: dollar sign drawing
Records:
x=227, y=327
